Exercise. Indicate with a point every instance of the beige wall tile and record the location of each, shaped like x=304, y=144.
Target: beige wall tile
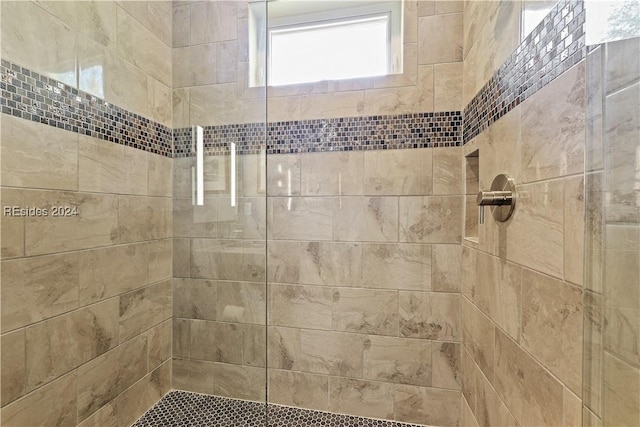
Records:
x=217, y=259
x=301, y=306
x=106, y=376
x=430, y=315
x=621, y=392
x=227, y=61
x=365, y=311
x=144, y=308
x=181, y=338
x=283, y=347
x=366, y=219
x=283, y=175
x=181, y=26
x=468, y=379
x=254, y=345
x=552, y=326
x=181, y=257
x=572, y=406
x=56, y=405
x=299, y=389
x=397, y=360
x=490, y=409
x=239, y=382
x=110, y=271
x=308, y=218
x=446, y=262
x=447, y=171
x=331, y=174
x=194, y=299
x=467, y=419
x=440, y=39
x=94, y=225
x=398, y=172
x=96, y=20
x=216, y=341
x=448, y=86
x=241, y=302
x=619, y=71
x=197, y=221
x=194, y=65
x=159, y=99
x=397, y=266
x=478, y=337
x=181, y=101
x=160, y=20
x=12, y=244
x=144, y=218
x=331, y=353
x=142, y=48
x=431, y=219
x=192, y=375
x=34, y=289
x=360, y=397
x=34, y=39
x=38, y=156
x=214, y=104
x=446, y=365
x=140, y=397
x=330, y=105
x=213, y=21
x=103, y=417
x=56, y=346
x=159, y=344
x=402, y=100
x=160, y=262
x=13, y=361
x=426, y=405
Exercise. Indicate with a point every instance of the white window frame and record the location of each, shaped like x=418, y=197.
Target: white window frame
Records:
x=284, y=17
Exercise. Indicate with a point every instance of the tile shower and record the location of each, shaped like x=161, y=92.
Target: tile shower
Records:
x=336, y=273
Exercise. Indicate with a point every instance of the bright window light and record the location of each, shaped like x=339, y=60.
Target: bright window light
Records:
x=330, y=51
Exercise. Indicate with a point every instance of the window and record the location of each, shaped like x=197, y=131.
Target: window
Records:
x=311, y=41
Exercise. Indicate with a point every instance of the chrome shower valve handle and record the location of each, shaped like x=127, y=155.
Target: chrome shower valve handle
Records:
x=501, y=197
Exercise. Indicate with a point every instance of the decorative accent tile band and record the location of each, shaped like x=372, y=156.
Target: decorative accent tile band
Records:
x=38, y=98
x=554, y=46
x=389, y=132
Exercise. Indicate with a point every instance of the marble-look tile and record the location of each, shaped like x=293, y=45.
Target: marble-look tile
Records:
x=159, y=342
x=111, y=168
x=574, y=229
x=476, y=15
x=552, y=326
x=194, y=65
x=440, y=38
x=144, y=218
x=366, y=219
x=331, y=105
x=426, y=405
x=181, y=257
x=215, y=105
x=160, y=20
x=110, y=271
x=397, y=360
x=404, y=99
x=227, y=62
x=181, y=338
x=106, y=416
x=431, y=219
x=301, y=306
x=192, y=375
x=216, y=341
x=360, y=397
x=35, y=39
x=254, y=346
x=283, y=348
x=365, y=311
x=426, y=8
x=448, y=86
x=283, y=175
x=468, y=378
x=142, y=48
x=445, y=360
x=38, y=156
x=621, y=72
x=160, y=262
x=181, y=26
x=490, y=410
x=12, y=232
x=217, y=259
x=159, y=100
x=239, y=382
x=572, y=406
x=589, y=419
x=410, y=24
x=255, y=261
x=13, y=362
x=106, y=376
x=56, y=405
x=553, y=122
x=241, y=302
x=430, y=315
x=180, y=101
x=137, y=8
x=190, y=220
x=410, y=75
x=468, y=271
x=532, y=395
x=213, y=21
x=94, y=225
x=34, y=289
x=144, y=308
x=331, y=174
x=478, y=337
x=299, y=389
x=194, y=299
x=398, y=172
x=332, y=353
x=447, y=171
x=160, y=176
x=467, y=419
x=535, y=236
x=497, y=292
x=446, y=262
x=621, y=392
x=397, y=266
x=140, y=397
x=56, y=346
x=301, y=218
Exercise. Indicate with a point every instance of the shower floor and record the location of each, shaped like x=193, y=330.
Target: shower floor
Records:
x=185, y=409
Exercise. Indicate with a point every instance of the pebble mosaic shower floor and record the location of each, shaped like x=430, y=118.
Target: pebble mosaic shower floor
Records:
x=184, y=409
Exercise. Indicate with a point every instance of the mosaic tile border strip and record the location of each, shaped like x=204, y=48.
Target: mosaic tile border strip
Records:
x=554, y=46
x=38, y=98
x=384, y=132
x=186, y=409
